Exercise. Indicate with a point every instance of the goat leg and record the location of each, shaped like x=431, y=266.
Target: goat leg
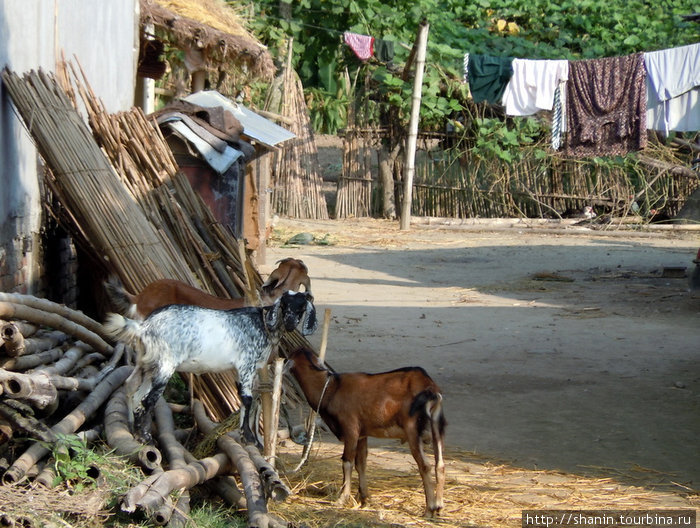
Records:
x=416, y=444
x=438, y=440
x=361, y=467
x=246, y=432
x=349, y=455
x=151, y=389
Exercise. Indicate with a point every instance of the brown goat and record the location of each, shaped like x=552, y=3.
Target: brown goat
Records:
x=403, y=403
x=289, y=275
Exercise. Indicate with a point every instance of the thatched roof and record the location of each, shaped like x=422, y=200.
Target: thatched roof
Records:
x=212, y=26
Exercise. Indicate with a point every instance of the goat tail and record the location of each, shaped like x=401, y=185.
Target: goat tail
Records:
x=427, y=405
x=120, y=298
x=122, y=328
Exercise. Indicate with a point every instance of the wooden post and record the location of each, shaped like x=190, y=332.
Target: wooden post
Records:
x=265, y=389
x=410, y=165
x=324, y=335
x=276, y=403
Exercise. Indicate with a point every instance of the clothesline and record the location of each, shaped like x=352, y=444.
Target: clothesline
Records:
x=605, y=105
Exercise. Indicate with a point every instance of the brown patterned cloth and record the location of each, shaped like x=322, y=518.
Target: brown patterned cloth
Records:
x=606, y=106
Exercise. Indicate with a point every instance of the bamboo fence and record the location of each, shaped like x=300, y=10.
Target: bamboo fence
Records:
x=455, y=183
x=121, y=196
x=296, y=178
x=354, y=197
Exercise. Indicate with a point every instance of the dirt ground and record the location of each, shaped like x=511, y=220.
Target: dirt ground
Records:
x=558, y=349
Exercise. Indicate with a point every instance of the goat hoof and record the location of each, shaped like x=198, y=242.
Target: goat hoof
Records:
x=342, y=501
x=145, y=438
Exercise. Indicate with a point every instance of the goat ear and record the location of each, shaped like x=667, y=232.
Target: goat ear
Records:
x=272, y=317
x=309, y=325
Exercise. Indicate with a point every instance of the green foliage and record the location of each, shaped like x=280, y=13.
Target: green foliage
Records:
x=537, y=29
x=75, y=464
x=495, y=140
x=212, y=516
x=328, y=114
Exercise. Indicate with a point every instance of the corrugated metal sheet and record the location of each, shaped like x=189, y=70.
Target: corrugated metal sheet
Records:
x=254, y=126
x=219, y=161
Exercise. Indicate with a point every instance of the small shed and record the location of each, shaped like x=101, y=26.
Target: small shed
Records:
x=217, y=144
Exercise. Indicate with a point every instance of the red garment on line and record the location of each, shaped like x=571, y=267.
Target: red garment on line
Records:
x=362, y=45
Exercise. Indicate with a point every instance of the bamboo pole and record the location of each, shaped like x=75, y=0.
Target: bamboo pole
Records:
x=421, y=44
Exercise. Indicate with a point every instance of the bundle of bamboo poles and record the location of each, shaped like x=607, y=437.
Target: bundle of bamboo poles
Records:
x=132, y=209
x=84, y=181
x=296, y=179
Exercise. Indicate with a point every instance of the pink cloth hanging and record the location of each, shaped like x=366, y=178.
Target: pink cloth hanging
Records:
x=362, y=45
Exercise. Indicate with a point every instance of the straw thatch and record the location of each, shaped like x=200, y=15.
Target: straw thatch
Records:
x=211, y=26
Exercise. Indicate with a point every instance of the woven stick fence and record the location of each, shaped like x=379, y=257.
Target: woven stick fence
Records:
x=455, y=183
x=137, y=214
x=355, y=184
x=296, y=179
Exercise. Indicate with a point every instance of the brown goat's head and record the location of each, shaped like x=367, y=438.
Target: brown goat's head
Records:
x=290, y=274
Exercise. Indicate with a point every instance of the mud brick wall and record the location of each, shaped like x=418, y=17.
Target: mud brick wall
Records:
x=42, y=265
x=16, y=260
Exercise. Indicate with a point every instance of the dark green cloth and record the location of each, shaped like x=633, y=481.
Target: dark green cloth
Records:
x=488, y=77
x=384, y=50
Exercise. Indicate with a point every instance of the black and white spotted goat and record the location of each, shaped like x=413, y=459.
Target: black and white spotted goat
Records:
x=193, y=339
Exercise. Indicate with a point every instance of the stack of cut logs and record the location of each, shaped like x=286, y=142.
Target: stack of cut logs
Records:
x=60, y=375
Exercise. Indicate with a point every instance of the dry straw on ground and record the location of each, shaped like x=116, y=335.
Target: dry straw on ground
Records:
x=478, y=491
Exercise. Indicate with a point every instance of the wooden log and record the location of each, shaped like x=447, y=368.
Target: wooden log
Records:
x=68, y=424
x=175, y=454
x=32, y=360
x=120, y=438
x=11, y=310
x=40, y=342
x=6, y=432
x=13, y=340
x=21, y=418
x=227, y=488
x=252, y=485
x=50, y=306
x=68, y=361
x=37, y=389
x=24, y=328
x=150, y=494
x=275, y=489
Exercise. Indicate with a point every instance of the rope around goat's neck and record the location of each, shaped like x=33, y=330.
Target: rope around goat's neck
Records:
x=307, y=447
x=323, y=392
